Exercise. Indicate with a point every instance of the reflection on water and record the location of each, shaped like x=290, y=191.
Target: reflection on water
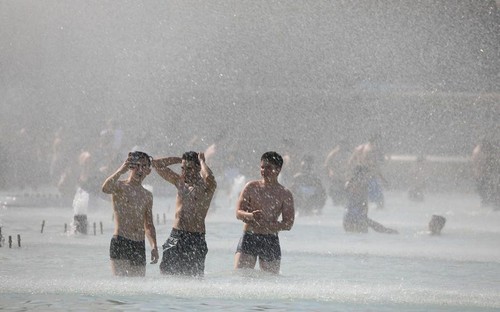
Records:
x=323, y=268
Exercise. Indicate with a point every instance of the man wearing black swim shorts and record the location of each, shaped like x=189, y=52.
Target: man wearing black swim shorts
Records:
x=185, y=250
x=259, y=206
x=122, y=248
x=133, y=215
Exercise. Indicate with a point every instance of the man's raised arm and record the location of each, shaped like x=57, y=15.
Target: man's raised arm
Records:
x=206, y=172
x=110, y=185
x=161, y=167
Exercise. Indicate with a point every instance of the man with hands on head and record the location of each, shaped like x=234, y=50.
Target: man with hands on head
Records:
x=185, y=250
x=133, y=217
x=259, y=206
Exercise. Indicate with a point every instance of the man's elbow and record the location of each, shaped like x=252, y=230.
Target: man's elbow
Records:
x=287, y=226
x=150, y=229
x=105, y=189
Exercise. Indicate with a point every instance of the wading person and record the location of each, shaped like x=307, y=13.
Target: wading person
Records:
x=133, y=216
x=260, y=205
x=185, y=250
x=371, y=156
x=356, y=212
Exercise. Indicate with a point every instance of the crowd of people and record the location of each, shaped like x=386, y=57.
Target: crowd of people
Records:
x=352, y=177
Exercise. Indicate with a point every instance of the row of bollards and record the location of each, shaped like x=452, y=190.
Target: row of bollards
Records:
x=2, y=239
x=158, y=219
x=81, y=224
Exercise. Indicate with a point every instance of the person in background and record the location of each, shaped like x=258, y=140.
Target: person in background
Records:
x=260, y=205
x=336, y=166
x=185, y=250
x=371, y=156
x=356, y=212
x=418, y=180
x=486, y=172
x=307, y=189
x=133, y=216
x=436, y=224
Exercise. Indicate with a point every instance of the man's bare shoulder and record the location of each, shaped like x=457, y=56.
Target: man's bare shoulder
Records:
x=119, y=186
x=286, y=191
x=253, y=184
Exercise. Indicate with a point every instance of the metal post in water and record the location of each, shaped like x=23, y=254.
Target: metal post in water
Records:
x=94, y=229
x=10, y=241
x=101, y=227
x=65, y=227
x=164, y=219
x=18, y=240
x=43, y=225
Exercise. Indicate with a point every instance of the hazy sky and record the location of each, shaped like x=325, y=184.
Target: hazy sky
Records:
x=423, y=73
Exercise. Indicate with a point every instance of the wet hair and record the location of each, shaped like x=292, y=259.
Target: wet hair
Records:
x=191, y=156
x=135, y=156
x=436, y=224
x=273, y=158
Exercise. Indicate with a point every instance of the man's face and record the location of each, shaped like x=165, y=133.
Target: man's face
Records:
x=140, y=168
x=268, y=170
x=190, y=170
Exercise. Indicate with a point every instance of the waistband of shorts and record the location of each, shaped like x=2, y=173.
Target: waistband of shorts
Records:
x=118, y=237
x=258, y=234
x=182, y=232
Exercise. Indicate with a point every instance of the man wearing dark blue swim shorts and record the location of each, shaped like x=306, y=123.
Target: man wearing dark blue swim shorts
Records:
x=260, y=205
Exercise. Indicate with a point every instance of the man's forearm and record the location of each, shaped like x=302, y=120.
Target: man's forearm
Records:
x=151, y=235
x=165, y=162
x=111, y=181
x=205, y=170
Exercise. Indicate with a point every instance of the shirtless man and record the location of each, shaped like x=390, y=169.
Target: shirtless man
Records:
x=185, y=250
x=486, y=168
x=369, y=155
x=133, y=215
x=259, y=206
x=336, y=168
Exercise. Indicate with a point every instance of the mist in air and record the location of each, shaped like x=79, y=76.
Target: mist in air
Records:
x=249, y=76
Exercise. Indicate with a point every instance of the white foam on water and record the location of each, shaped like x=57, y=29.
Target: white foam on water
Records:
x=322, y=267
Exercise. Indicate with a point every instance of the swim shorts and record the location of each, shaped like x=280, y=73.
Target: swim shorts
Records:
x=264, y=246
x=355, y=219
x=122, y=248
x=184, y=253
x=375, y=193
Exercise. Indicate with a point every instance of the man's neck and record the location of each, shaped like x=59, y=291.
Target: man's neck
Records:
x=134, y=182
x=271, y=181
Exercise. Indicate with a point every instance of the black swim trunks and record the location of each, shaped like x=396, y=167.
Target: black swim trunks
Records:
x=264, y=246
x=122, y=248
x=184, y=253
